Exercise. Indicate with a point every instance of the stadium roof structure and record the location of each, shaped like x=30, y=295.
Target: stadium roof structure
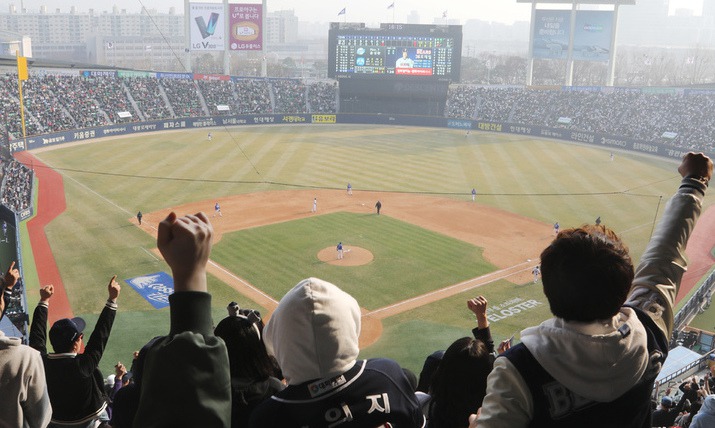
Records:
x=678, y=358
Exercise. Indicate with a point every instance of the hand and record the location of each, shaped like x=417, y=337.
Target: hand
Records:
x=696, y=165
x=11, y=276
x=119, y=371
x=114, y=288
x=503, y=346
x=185, y=243
x=478, y=306
x=46, y=292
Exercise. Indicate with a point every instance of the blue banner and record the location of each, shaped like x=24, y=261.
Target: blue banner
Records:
x=154, y=287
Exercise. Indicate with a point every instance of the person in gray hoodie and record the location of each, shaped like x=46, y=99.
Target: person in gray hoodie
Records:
x=594, y=363
x=313, y=334
x=705, y=418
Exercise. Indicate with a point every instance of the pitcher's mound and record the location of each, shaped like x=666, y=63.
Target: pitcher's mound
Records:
x=352, y=256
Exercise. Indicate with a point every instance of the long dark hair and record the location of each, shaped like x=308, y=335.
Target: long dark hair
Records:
x=247, y=354
x=459, y=384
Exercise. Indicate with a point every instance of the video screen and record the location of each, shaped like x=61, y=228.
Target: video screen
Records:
x=395, y=50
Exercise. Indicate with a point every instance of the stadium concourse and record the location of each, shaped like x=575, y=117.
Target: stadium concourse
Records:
x=59, y=102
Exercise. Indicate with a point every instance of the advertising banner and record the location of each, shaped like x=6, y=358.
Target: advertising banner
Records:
x=551, y=34
x=245, y=21
x=592, y=36
x=207, y=26
x=155, y=288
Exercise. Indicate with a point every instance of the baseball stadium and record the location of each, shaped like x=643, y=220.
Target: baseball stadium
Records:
x=285, y=169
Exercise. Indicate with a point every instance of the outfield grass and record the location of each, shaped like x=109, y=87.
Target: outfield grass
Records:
x=107, y=182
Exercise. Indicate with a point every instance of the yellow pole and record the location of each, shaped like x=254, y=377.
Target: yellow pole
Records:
x=21, y=75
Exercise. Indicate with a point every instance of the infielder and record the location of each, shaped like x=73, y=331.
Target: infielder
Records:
x=350, y=189
x=340, y=250
x=556, y=228
x=536, y=271
x=217, y=210
x=315, y=205
x=474, y=194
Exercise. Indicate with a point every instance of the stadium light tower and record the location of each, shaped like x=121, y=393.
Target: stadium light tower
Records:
x=555, y=34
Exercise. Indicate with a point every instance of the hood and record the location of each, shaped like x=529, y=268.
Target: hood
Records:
x=708, y=405
x=314, y=331
x=594, y=360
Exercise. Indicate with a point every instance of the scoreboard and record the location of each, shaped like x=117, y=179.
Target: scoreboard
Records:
x=395, y=50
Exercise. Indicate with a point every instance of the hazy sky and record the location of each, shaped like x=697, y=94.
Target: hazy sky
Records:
x=369, y=11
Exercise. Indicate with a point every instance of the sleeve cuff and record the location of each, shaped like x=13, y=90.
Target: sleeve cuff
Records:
x=694, y=185
x=111, y=305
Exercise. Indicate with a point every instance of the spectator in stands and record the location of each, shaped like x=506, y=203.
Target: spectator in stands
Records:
x=25, y=401
x=186, y=379
x=460, y=381
x=705, y=418
x=252, y=370
x=75, y=384
x=599, y=356
x=313, y=334
x=126, y=399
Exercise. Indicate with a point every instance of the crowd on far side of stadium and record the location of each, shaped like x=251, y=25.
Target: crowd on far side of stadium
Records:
x=677, y=118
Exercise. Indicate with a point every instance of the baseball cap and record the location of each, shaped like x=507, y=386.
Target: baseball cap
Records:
x=666, y=401
x=66, y=331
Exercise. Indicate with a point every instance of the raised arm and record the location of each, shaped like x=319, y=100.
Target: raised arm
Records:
x=202, y=396
x=658, y=276
x=38, y=329
x=97, y=342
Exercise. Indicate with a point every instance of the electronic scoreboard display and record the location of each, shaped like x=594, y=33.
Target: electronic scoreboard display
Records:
x=394, y=51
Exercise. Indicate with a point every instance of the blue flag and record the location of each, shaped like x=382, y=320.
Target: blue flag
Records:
x=342, y=12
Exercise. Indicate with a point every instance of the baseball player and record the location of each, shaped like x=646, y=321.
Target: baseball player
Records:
x=315, y=205
x=474, y=194
x=598, y=221
x=340, y=250
x=556, y=228
x=139, y=217
x=4, y=230
x=210, y=136
x=217, y=210
x=378, y=205
x=536, y=271
x=350, y=189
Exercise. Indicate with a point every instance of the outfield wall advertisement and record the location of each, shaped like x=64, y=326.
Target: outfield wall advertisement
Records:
x=206, y=26
x=604, y=140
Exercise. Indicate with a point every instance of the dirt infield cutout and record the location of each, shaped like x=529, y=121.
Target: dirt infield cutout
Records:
x=352, y=256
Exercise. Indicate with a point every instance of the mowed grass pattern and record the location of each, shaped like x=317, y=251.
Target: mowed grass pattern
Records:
x=108, y=181
x=409, y=260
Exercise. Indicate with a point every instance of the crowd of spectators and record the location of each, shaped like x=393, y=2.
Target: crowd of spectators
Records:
x=677, y=118
x=146, y=92
x=216, y=93
x=290, y=96
x=183, y=97
x=322, y=97
x=16, y=190
x=61, y=102
x=254, y=96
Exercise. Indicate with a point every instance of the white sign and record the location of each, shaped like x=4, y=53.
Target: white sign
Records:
x=207, y=22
